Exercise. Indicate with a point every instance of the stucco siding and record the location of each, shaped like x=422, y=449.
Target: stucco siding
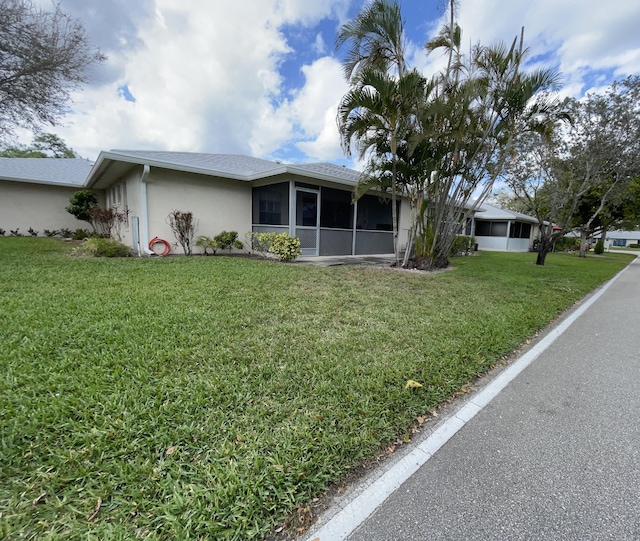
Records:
x=217, y=204
x=28, y=205
x=404, y=224
x=131, y=184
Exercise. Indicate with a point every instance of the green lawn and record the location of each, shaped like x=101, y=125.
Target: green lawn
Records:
x=210, y=397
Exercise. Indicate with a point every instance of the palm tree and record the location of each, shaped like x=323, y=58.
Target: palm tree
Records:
x=376, y=40
x=485, y=101
x=376, y=115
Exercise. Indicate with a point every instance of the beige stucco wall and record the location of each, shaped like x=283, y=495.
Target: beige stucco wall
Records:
x=39, y=206
x=217, y=204
x=404, y=224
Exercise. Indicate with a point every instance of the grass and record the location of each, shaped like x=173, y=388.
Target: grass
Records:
x=209, y=398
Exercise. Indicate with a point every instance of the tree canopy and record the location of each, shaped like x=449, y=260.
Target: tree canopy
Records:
x=44, y=145
x=584, y=178
x=44, y=56
x=440, y=140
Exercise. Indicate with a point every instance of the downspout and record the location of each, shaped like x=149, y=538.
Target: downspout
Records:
x=144, y=218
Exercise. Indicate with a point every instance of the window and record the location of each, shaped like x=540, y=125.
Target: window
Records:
x=117, y=196
x=271, y=204
x=486, y=228
x=374, y=214
x=619, y=242
x=336, y=210
x=520, y=230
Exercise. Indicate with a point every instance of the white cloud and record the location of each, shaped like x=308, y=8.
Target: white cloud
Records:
x=577, y=35
x=212, y=77
x=204, y=77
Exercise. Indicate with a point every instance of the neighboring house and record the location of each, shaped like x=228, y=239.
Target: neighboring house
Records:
x=503, y=230
x=233, y=193
x=35, y=191
x=622, y=238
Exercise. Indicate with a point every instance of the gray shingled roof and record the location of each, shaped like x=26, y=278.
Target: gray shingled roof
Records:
x=244, y=168
x=350, y=176
x=55, y=171
x=489, y=212
x=79, y=172
x=216, y=163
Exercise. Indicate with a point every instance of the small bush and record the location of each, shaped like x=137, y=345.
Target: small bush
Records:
x=259, y=242
x=462, y=245
x=80, y=234
x=599, y=248
x=104, y=247
x=227, y=240
x=285, y=247
x=66, y=233
x=184, y=227
x=282, y=245
x=634, y=245
x=33, y=232
x=207, y=243
x=52, y=233
x=2, y=232
x=564, y=244
x=15, y=232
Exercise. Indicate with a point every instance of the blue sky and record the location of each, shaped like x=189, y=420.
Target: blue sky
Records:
x=261, y=77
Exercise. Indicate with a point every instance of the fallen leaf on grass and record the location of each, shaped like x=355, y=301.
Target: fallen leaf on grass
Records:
x=171, y=450
x=95, y=511
x=39, y=498
x=412, y=384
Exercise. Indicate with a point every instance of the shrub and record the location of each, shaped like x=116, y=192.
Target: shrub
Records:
x=462, y=245
x=66, y=233
x=104, y=247
x=599, y=248
x=33, y=232
x=15, y=232
x=81, y=203
x=285, y=247
x=52, y=233
x=184, y=227
x=259, y=242
x=282, y=245
x=79, y=234
x=634, y=245
x=2, y=232
x=227, y=240
x=107, y=222
x=207, y=243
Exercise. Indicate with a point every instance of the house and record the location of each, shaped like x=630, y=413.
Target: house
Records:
x=226, y=192
x=35, y=191
x=622, y=239
x=503, y=230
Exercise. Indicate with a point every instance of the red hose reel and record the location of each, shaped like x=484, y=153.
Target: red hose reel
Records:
x=158, y=241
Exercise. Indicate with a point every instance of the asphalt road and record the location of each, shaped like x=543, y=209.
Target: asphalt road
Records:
x=555, y=455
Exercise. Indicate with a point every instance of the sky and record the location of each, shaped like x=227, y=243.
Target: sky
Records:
x=262, y=77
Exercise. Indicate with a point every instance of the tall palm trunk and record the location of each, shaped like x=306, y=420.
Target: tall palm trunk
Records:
x=394, y=206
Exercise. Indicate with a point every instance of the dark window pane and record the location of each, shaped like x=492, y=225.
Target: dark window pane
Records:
x=483, y=228
x=307, y=209
x=336, y=210
x=271, y=204
x=374, y=214
x=525, y=232
x=498, y=229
